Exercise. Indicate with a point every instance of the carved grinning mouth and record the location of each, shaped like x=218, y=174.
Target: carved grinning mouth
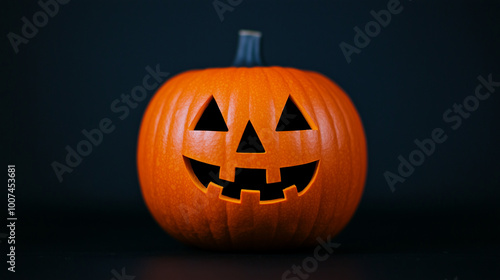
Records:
x=254, y=179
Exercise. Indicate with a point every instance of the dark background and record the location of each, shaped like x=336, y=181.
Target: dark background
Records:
x=441, y=223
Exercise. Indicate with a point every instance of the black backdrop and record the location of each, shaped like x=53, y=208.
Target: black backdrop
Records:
x=441, y=222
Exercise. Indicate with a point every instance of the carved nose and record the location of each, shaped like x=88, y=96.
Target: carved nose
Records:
x=250, y=142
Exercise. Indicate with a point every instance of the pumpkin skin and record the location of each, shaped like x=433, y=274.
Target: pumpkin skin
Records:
x=201, y=215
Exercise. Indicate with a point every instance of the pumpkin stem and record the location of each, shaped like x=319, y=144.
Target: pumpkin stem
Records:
x=248, y=53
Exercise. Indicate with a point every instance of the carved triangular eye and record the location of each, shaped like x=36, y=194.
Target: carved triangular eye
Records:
x=291, y=118
x=211, y=119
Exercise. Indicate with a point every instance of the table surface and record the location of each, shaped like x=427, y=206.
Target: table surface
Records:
x=373, y=246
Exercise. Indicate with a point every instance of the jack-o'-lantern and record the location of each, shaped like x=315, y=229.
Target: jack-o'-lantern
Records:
x=251, y=157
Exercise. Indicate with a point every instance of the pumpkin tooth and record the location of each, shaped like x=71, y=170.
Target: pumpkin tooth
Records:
x=227, y=173
x=273, y=175
x=214, y=190
x=250, y=196
x=290, y=192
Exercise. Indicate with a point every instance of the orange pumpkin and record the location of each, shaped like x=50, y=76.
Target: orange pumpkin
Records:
x=251, y=157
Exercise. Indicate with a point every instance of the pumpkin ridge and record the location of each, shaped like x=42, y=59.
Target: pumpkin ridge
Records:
x=302, y=217
x=356, y=151
x=266, y=75
x=297, y=217
x=359, y=144
x=162, y=105
x=169, y=118
x=324, y=95
x=198, y=94
x=307, y=96
x=352, y=160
